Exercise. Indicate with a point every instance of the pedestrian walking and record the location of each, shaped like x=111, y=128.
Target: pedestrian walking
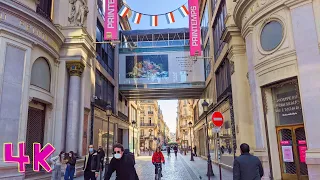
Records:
x=195, y=151
x=168, y=150
x=56, y=166
x=175, y=149
x=71, y=166
x=91, y=165
x=101, y=154
x=247, y=166
x=123, y=164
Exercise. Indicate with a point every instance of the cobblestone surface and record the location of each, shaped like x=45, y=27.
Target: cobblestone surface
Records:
x=180, y=168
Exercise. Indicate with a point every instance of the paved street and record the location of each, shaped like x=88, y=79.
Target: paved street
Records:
x=177, y=169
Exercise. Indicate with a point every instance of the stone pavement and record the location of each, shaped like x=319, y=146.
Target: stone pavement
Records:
x=180, y=168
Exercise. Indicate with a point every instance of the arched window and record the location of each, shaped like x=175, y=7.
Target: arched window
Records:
x=40, y=74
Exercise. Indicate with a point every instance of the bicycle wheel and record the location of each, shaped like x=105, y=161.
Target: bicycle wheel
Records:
x=159, y=174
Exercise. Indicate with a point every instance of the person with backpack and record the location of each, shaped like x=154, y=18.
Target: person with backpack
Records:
x=123, y=164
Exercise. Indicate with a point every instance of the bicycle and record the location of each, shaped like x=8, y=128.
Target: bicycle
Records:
x=158, y=175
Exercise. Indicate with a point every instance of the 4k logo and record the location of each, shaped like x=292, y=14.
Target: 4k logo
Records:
x=39, y=156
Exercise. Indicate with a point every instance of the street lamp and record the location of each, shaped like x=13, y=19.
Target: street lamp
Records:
x=150, y=130
x=184, y=142
x=133, y=125
x=205, y=110
x=190, y=125
x=108, y=113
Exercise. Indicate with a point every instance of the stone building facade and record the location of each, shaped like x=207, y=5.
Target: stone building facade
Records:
x=51, y=76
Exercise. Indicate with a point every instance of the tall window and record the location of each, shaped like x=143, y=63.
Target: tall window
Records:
x=40, y=74
x=207, y=61
x=218, y=28
x=44, y=8
x=133, y=113
x=213, y=5
x=223, y=78
x=105, y=52
x=104, y=89
x=204, y=23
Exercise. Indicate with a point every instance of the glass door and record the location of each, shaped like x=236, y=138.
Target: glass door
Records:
x=292, y=148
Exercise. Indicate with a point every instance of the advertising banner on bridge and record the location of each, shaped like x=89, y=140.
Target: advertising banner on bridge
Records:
x=111, y=20
x=194, y=28
x=160, y=68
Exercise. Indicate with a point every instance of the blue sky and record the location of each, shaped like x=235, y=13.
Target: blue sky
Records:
x=169, y=108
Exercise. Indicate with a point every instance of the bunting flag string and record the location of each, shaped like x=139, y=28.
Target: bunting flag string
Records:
x=136, y=16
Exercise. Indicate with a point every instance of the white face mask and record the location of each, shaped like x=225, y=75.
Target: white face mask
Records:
x=117, y=156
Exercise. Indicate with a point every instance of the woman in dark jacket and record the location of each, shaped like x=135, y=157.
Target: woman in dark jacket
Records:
x=71, y=166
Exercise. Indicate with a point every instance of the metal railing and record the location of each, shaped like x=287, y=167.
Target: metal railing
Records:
x=147, y=124
x=123, y=116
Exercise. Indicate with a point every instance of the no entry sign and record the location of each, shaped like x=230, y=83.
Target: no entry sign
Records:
x=217, y=119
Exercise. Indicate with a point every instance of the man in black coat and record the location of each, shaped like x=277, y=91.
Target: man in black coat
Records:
x=123, y=164
x=247, y=166
x=101, y=154
x=91, y=164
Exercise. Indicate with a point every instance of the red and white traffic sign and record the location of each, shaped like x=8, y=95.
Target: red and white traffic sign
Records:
x=217, y=119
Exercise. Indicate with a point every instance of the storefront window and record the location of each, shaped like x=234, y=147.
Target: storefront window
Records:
x=287, y=105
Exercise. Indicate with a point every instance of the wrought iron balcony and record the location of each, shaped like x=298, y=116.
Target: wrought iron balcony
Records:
x=150, y=112
x=123, y=116
x=147, y=124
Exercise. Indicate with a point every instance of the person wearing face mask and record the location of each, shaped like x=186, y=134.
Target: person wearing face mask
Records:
x=91, y=164
x=123, y=164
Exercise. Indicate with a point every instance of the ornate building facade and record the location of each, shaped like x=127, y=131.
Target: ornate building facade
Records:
x=53, y=78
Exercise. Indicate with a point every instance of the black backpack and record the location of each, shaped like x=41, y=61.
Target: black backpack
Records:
x=130, y=154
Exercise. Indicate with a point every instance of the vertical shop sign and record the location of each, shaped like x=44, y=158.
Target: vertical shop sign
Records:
x=111, y=20
x=194, y=28
x=302, y=150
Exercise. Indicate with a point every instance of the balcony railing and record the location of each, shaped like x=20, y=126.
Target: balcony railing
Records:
x=147, y=124
x=102, y=104
x=184, y=126
x=123, y=116
x=150, y=112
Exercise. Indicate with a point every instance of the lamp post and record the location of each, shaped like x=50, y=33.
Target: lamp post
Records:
x=133, y=126
x=190, y=125
x=184, y=142
x=150, y=130
x=108, y=113
x=209, y=170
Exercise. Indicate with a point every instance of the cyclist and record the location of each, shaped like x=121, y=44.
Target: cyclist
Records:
x=175, y=148
x=157, y=158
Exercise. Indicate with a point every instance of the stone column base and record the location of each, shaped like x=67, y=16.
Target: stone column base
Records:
x=10, y=173
x=262, y=154
x=313, y=162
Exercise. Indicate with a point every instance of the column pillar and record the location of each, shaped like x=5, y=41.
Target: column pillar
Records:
x=73, y=115
x=257, y=108
x=308, y=55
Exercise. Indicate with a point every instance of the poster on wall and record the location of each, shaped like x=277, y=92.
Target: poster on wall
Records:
x=287, y=154
x=159, y=68
x=302, y=146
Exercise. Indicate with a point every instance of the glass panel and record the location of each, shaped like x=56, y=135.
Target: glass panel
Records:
x=301, y=149
x=289, y=166
x=271, y=35
x=287, y=105
x=40, y=75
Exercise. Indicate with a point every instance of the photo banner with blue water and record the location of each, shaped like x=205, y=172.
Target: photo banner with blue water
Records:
x=147, y=66
x=166, y=67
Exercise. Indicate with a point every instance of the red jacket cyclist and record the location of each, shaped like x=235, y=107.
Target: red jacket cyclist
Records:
x=157, y=157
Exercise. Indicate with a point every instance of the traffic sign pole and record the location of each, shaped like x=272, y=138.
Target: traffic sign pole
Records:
x=217, y=120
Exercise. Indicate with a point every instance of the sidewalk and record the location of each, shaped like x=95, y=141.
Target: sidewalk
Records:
x=199, y=167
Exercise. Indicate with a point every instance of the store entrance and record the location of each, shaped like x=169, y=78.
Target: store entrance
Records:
x=292, y=147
